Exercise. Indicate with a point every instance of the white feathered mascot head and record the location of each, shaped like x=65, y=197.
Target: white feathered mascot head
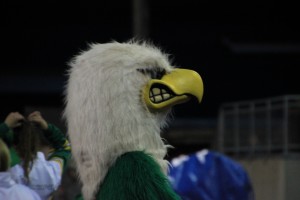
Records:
x=118, y=97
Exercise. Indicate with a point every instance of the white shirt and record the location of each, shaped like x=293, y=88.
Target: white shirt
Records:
x=44, y=177
x=10, y=190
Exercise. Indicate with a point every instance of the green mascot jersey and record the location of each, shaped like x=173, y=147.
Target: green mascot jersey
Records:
x=135, y=176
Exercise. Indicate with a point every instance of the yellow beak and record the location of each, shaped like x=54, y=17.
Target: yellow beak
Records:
x=174, y=88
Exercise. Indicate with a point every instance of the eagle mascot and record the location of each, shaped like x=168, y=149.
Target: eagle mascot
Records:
x=118, y=98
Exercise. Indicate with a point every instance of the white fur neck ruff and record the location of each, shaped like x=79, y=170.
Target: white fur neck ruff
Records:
x=105, y=113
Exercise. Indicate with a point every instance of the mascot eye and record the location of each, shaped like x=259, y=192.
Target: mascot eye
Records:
x=154, y=73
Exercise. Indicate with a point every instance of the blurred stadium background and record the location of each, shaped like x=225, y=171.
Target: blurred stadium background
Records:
x=248, y=54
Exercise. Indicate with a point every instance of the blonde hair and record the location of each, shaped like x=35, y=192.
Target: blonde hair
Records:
x=4, y=157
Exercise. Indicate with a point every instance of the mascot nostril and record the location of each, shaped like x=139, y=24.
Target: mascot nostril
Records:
x=118, y=98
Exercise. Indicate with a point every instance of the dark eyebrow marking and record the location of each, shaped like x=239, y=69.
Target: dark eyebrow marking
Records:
x=154, y=73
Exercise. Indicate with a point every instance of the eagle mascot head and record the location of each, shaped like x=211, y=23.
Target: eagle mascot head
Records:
x=118, y=97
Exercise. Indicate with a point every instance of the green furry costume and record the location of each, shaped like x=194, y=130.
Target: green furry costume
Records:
x=136, y=176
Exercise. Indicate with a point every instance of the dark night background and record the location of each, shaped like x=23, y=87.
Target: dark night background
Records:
x=243, y=51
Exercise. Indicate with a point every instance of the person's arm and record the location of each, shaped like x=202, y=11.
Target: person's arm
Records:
x=12, y=120
x=62, y=150
x=6, y=134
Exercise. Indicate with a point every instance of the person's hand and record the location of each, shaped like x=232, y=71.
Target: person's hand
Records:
x=14, y=119
x=38, y=119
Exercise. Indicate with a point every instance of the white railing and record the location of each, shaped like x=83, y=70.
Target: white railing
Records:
x=270, y=125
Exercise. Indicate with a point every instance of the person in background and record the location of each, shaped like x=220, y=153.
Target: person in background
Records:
x=9, y=189
x=41, y=148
